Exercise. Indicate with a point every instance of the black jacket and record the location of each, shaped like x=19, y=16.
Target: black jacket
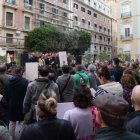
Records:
x=133, y=123
x=109, y=133
x=118, y=72
x=16, y=90
x=49, y=129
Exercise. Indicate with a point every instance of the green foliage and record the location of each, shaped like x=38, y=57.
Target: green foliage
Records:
x=87, y=58
x=46, y=38
x=103, y=56
x=3, y=59
x=51, y=39
x=124, y=57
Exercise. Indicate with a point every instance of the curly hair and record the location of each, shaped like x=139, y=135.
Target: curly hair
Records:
x=128, y=81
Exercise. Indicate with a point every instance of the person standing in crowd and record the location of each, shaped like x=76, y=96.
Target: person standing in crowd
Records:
x=107, y=84
x=48, y=126
x=35, y=88
x=33, y=58
x=111, y=70
x=133, y=123
x=3, y=80
x=92, y=77
x=128, y=82
x=15, y=93
x=111, y=114
x=41, y=60
x=66, y=85
x=81, y=117
x=80, y=77
x=118, y=70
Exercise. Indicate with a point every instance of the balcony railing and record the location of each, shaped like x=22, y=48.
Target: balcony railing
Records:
x=11, y=41
x=11, y=1
x=28, y=6
x=126, y=37
x=126, y=14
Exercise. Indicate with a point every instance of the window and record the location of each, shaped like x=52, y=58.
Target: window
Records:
x=95, y=47
x=29, y=2
x=9, y=38
x=127, y=31
x=65, y=1
x=89, y=12
x=95, y=15
x=75, y=6
x=9, y=19
x=95, y=25
x=27, y=23
x=100, y=28
x=65, y=16
x=108, y=31
x=10, y=1
x=82, y=9
x=100, y=48
x=75, y=19
x=55, y=12
x=83, y=22
x=41, y=8
x=88, y=24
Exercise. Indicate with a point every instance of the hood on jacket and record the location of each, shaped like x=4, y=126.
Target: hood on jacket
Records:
x=113, y=87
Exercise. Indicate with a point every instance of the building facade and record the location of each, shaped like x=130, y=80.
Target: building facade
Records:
x=18, y=17
x=129, y=28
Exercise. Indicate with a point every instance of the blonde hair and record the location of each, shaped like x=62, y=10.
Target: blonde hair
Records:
x=47, y=105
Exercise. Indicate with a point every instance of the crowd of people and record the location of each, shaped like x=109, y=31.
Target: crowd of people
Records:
x=106, y=98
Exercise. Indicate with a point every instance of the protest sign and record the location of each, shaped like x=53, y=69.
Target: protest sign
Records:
x=31, y=71
x=62, y=108
x=63, y=58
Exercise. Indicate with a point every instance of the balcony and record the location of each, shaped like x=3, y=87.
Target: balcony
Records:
x=126, y=14
x=126, y=37
x=10, y=3
x=28, y=8
x=11, y=42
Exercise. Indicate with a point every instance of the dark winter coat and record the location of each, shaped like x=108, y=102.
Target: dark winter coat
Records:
x=109, y=133
x=118, y=72
x=16, y=90
x=133, y=123
x=49, y=129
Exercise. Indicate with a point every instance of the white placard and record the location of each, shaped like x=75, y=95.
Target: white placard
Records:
x=31, y=71
x=3, y=51
x=62, y=108
x=63, y=58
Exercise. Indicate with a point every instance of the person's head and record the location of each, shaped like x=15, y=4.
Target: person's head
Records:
x=3, y=68
x=135, y=97
x=46, y=105
x=104, y=75
x=79, y=67
x=106, y=63
x=65, y=69
x=16, y=70
x=82, y=97
x=111, y=110
x=43, y=70
x=128, y=81
x=131, y=72
x=92, y=68
x=116, y=61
